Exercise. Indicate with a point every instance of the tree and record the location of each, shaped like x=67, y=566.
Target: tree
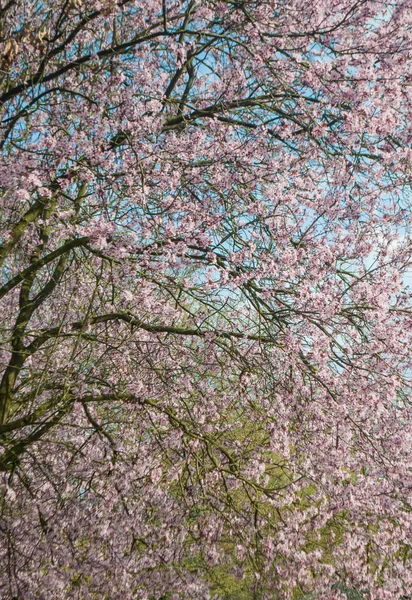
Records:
x=206, y=332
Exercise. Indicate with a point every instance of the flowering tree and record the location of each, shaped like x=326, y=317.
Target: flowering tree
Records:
x=206, y=327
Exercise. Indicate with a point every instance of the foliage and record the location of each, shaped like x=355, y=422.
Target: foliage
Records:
x=206, y=328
